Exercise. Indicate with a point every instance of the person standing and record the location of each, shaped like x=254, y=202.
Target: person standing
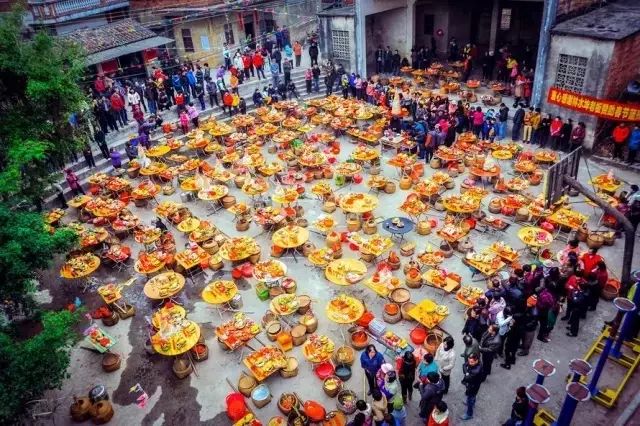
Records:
x=406, y=366
x=74, y=182
x=620, y=135
x=555, y=131
x=473, y=378
x=212, y=90
x=634, y=144
x=544, y=131
x=116, y=159
x=117, y=108
x=489, y=347
x=577, y=136
x=446, y=359
x=431, y=392
x=528, y=125
x=536, y=118
x=297, y=52
x=379, y=60
x=226, y=55
x=308, y=78
x=316, y=78
x=439, y=415
x=388, y=60
x=313, y=53
x=529, y=324
x=565, y=135
x=151, y=95
x=519, y=409
x=102, y=143
x=60, y=195
x=379, y=407
x=545, y=305
x=503, y=117
x=471, y=346
x=258, y=62
x=371, y=361
x=275, y=73
x=577, y=308
x=276, y=57
x=88, y=156
x=288, y=65
x=518, y=120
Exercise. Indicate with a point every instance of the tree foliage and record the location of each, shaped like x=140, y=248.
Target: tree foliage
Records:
x=25, y=247
x=30, y=367
x=38, y=93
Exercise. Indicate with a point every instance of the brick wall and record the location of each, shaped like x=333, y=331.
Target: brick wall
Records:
x=571, y=8
x=624, y=65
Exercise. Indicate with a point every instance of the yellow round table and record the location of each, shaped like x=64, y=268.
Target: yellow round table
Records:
x=535, y=237
x=254, y=187
x=219, y=292
x=189, y=225
x=604, y=184
x=153, y=169
x=176, y=311
x=290, y=237
x=164, y=286
x=286, y=196
x=320, y=257
x=502, y=154
x=178, y=342
x=453, y=207
x=80, y=267
x=358, y=203
x=336, y=271
x=79, y=201
x=238, y=248
x=344, y=309
x=214, y=193
x=269, y=270
x=189, y=184
x=348, y=169
x=158, y=151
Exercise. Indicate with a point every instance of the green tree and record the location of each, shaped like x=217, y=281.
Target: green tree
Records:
x=25, y=247
x=32, y=366
x=39, y=91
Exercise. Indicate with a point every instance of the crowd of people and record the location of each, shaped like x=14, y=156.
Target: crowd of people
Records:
x=502, y=324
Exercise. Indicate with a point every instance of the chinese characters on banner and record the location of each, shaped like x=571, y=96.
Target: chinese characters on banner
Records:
x=593, y=106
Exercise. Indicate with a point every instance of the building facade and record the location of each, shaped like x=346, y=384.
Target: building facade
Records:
x=200, y=31
x=64, y=16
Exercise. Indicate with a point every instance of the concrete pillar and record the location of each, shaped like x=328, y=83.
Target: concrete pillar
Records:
x=544, y=44
x=361, y=46
x=411, y=27
x=495, y=17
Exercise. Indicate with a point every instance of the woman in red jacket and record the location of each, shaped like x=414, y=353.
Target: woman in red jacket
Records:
x=248, y=65
x=258, y=62
x=620, y=135
x=554, y=132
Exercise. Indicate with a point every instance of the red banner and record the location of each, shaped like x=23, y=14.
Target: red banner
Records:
x=602, y=108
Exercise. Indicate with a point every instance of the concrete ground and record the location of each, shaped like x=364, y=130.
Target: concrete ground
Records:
x=199, y=399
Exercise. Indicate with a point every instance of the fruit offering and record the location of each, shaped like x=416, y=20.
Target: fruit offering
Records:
x=318, y=348
x=344, y=309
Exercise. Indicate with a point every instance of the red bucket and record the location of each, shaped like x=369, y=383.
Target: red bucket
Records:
x=236, y=407
x=324, y=370
x=315, y=411
x=418, y=335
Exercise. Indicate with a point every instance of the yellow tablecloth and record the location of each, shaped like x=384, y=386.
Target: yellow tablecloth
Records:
x=529, y=234
x=358, y=203
x=179, y=342
x=164, y=286
x=219, y=292
x=290, y=237
x=425, y=313
x=337, y=270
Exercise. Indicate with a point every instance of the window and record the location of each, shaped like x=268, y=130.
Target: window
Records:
x=204, y=42
x=571, y=73
x=187, y=41
x=341, y=45
x=428, y=24
x=505, y=19
x=228, y=34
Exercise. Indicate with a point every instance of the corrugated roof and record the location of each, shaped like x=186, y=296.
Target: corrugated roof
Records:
x=110, y=36
x=614, y=21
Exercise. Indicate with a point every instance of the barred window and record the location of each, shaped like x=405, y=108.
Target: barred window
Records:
x=341, y=44
x=571, y=73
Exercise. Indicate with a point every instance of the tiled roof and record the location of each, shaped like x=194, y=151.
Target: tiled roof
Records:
x=108, y=36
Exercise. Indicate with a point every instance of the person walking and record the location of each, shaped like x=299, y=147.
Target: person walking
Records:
x=406, y=366
x=371, y=361
x=489, y=347
x=473, y=377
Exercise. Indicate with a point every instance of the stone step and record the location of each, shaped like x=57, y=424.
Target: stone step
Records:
x=104, y=164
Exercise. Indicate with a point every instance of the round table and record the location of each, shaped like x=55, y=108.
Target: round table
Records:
x=398, y=231
x=178, y=342
x=238, y=248
x=219, y=292
x=164, y=286
x=290, y=237
x=92, y=263
x=529, y=236
x=358, y=203
x=344, y=309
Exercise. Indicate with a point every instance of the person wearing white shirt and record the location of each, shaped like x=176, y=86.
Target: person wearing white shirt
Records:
x=446, y=360
x=133, y=98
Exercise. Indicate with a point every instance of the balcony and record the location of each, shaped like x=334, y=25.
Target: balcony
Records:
x=52, y=11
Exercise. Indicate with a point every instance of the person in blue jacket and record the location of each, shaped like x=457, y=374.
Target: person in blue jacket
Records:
x=634, y=144
x=191, y=78
x=371, y=360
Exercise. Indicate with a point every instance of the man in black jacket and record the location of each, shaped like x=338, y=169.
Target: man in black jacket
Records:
x=489, y=346
x=430, y=393
x=313, y=53
x=518, y=119
x=472, y=380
